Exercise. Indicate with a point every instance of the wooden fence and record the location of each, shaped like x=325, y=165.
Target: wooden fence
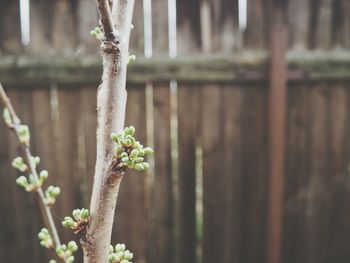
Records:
x=206, y=196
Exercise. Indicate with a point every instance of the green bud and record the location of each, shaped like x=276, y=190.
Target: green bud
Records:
x=128, y=255
x=131, y=58
x=37, y=160
x=141, y=153
x=19, y=164
x=138, y=145
x=114, y=137
x=139, y=167
x=52, y=261
x=119, y=255
x=125, y=159
x=134, y=152
x=43, y=176
x=60, y=250
x=145, y=165
x=23, y=134
x=45, y=238
x=129, y=130
x=55, y=191
x=68, y=222
x=112, y=257
x=120, y=247
x=124, y=261
x=22, y=181
x=124, y=154
x=76, y=214
x=97, y=33
x=139, y=159
x=84, y=213
x=7, y=117
x=148, y=151
x=118, y=150
x=70, y=259
x=72, y=246
x=41, y=236
x=111, y=249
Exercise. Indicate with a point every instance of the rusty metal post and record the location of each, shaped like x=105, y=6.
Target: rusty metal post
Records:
x=276, y=133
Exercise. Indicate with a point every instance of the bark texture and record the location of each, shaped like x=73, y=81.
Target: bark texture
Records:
x=111, y=103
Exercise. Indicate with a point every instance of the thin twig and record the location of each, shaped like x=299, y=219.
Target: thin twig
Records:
x=104, y=9
x=45, y=210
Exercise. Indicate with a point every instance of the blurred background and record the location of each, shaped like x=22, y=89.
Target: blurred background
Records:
x=246, y=103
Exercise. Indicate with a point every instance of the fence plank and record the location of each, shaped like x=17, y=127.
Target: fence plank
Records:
x=256, y=33
x=10, y=32
x=162, y=189
x=321, y=24
x=296, y=176
x=254, y=169
x=188, y=26
x=130, y=223
x=318, y=197
x=188, y=111
x=40, y=27
x=232, y=175
x=87, y=20
x=136, y=35
x=298, y=19
x=213, y=182
x=163, y=206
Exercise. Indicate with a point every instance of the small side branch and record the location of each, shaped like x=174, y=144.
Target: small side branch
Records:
x=15, y=126
x=104, y=9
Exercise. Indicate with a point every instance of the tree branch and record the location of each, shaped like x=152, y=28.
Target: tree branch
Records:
x=45, y=209
x=111, y=104
x=106, y=19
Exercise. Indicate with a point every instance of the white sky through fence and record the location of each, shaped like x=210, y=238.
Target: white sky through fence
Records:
x=147, y=26
x=242, y=14
x=25, y=21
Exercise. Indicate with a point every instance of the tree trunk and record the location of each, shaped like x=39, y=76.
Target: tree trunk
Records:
x=111, y=103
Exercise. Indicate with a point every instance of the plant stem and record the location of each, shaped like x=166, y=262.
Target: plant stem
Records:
x=45, y=210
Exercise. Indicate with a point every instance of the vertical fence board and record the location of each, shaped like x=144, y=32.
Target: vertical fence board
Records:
x=190, y=224
x=188, y=111
x=162, y=195
x=87, y=20
x=136, y=35
x=338, y=235
x=225, y=25
x=318, y=194
x=298, y=18
x=163, y=206
x=322, y=24
x=256, y=35
x=297, y=173
x=254, y=172
x=10, y=32
x=66, y=145
x=88, y=126
x=214, y=197
x=232, y=175
x=130, y=222
x=43, y=139
x=188, y=26
x=40, y=27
